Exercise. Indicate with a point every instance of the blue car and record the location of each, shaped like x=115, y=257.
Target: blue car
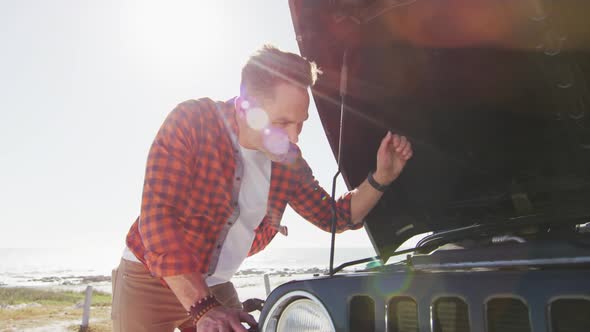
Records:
x=495, y=97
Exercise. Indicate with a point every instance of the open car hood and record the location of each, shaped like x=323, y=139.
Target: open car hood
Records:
x=493, y=94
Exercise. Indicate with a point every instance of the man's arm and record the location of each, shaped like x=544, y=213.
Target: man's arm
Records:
x=392, y=156
x=189, y=288
x=313, y=203
x=364, y=199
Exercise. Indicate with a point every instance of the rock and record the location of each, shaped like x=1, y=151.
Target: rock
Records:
x=87, y=279
x=21, y=306
x=249, y=272
x=46, y=279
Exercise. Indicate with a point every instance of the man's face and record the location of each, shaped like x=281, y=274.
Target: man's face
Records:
x=285, y=114
x=288, y=110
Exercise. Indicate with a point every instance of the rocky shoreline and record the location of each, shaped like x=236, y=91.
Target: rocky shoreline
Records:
x=245, y=280
x=282, y=272
x=69, y=280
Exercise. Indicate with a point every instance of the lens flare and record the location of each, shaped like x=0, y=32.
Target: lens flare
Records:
x=385, y=286
x=245, y=104
x=276, y=141
x=256, y=118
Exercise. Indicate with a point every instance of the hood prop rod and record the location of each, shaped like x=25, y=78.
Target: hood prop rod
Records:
x=343, y=86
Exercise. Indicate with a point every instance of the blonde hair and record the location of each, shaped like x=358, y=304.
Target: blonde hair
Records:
x=269, y=67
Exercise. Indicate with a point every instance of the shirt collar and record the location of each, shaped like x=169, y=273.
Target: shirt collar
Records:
x=228, y=110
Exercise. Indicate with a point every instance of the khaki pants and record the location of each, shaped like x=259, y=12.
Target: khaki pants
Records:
x=142, y=304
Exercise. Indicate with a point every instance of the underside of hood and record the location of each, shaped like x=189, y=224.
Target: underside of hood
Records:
x=493, y=94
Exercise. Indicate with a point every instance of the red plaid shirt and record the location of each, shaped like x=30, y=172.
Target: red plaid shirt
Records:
x=190, y=193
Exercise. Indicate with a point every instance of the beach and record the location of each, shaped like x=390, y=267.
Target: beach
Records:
x=43, y=289
x=59, y=308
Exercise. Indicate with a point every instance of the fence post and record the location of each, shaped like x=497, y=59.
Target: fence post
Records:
x=86, y=313
x=267, y=284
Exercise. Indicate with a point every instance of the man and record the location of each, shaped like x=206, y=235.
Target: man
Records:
x=218, y=178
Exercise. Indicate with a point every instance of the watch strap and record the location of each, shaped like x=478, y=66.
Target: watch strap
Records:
x=375, y=184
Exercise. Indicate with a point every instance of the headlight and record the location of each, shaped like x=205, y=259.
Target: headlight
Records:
x=298, y=311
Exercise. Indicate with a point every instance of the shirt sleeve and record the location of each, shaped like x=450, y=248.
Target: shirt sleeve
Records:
x=314, y=204
x=166, y=189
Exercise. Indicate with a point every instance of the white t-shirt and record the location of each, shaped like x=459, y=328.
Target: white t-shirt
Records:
x=252, y=202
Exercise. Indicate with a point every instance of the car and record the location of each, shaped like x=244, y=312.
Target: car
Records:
x=494, y=96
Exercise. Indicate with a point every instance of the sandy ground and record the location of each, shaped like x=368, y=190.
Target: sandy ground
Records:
x=57, y=319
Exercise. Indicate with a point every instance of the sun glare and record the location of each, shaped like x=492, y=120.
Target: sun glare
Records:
x=174, y=34
x=256, y=118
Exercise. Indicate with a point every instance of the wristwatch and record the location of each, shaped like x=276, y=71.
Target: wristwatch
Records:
x=376, y=184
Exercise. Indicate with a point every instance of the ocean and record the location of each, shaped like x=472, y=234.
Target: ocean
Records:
x=76, y=268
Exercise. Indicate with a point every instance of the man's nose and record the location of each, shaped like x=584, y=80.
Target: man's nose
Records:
x=293, y=134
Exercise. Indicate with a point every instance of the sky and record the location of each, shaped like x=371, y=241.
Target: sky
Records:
x=84, y=87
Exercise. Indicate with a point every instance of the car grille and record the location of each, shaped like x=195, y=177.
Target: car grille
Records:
x=451, y=314
x=361, y=313
x=403, y=315
x=507, y=315
x=570, y=315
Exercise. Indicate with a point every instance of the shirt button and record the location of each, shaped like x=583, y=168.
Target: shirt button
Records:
x=219, y=246
x=238, y=178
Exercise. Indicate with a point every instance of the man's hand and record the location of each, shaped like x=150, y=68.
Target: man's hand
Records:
x=392, y=156
x=253, y=304
x=225, y=320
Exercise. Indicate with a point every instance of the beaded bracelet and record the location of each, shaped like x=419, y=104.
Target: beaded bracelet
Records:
x=202, y=306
